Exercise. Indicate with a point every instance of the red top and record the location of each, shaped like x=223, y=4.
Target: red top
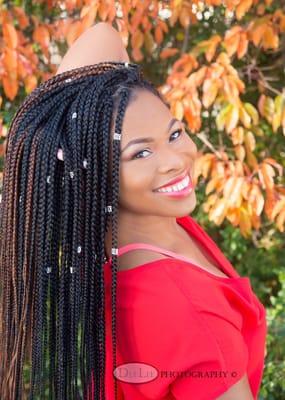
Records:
x=201, y=332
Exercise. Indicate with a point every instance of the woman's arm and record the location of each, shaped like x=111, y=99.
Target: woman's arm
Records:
x=100, y=42
x=239, y=391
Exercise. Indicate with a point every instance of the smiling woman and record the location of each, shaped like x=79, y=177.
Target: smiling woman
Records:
x=83, y=226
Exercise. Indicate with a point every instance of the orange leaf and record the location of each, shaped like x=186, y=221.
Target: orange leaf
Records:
x=178, y=110
x=233, y=216
x=237, y=135
x=22, y=17
x=278, y=206
x=231, y=44
x=89, y=18
x=211, y=50
x=243, y=45
x=270, y=39
x=256, y=35
x=74, y=30
x=240, y=152
x=275, y=164
x=267, y=173
x=211, y=185
x=232, y=118
x=10, y=35
x=184, y=17
x=280, y=221
x=232, y=191
x=10, y=87
x=10, y=62
x=210, y=91
x=41, y=35
x=261, y=104
x=256, y=199
x=242, y=8
x=137, y=39
x=158, y=35
x=30, y=83
x=166, y=53
x=218, y=212
x=245, y=222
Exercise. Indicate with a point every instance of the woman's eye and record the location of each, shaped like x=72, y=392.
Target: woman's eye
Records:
x=142, y=151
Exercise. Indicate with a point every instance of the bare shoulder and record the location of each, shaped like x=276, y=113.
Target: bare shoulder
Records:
x=240, y=390
x=135, y=258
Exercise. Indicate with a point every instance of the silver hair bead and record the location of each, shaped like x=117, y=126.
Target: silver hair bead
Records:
x=20, y=199
x=62, y=181
x=72, y=270
x=117, y=136
x=108, y=209
x=48, y=270
x=71, y=173
x=68, y=80
x=115, y=251
x=48, y=179
x=79, y=249
x=85, y=163
x=74, y=115
x=126, y=64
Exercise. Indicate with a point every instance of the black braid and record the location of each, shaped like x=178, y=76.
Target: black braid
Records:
x=52, y=229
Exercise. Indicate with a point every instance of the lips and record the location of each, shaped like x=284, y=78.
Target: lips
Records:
x=173, y=181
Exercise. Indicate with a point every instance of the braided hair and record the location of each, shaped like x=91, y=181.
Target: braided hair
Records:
x=53, y=220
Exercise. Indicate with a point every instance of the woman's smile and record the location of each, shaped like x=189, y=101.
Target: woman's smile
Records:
x=181, y=188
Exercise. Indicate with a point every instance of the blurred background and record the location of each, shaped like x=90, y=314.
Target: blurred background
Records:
x=221, y=67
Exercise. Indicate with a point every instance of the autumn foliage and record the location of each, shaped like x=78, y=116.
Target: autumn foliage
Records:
x=219, y=81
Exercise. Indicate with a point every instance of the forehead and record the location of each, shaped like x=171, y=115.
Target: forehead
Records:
x=145, y=115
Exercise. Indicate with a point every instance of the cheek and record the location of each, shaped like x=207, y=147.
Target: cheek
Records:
x=134, y=181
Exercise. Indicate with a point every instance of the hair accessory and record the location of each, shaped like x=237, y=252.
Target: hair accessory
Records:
x=115, y=251
x=68, y=80
x=74, y=115
x=71, y=173
x=48, y=270
x=60, y=157
x=48, y=179
x=117, y=136
x=126, y=64
x=20, y=199
x=72, y=270
x=79, y=249
x=108, y=209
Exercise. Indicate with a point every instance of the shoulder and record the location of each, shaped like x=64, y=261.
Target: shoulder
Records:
x=136, y=258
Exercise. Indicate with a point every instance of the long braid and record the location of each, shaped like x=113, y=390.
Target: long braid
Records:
x=54, y=216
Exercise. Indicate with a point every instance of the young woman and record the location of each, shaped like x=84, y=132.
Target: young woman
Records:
x=109, y=289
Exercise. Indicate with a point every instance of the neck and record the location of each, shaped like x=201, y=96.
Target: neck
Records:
x=158, y=230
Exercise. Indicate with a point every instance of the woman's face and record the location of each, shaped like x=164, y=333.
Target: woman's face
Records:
x=144, y=167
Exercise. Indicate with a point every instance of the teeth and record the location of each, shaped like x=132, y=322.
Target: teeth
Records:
x=176, y=188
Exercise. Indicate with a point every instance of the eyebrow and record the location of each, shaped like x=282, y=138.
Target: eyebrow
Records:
x=149, y=139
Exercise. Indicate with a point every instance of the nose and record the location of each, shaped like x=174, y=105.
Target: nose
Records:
x=172, y=160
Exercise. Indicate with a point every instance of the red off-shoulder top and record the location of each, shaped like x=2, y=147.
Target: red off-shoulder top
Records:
x=199, y=331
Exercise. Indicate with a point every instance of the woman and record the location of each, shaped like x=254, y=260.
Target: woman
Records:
x=110, y=290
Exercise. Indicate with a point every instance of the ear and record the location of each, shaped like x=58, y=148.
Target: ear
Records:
x=101, y=42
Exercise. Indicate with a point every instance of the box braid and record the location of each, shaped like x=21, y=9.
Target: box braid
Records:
x=53, y=219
